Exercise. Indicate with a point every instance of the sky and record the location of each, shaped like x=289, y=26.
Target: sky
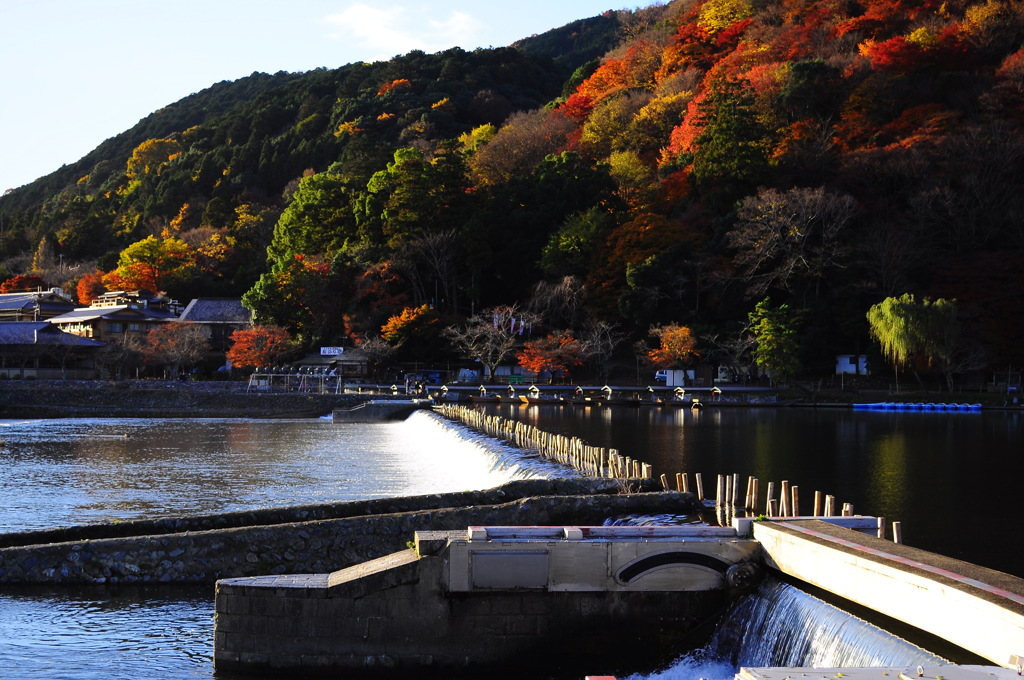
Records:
x=74, y=73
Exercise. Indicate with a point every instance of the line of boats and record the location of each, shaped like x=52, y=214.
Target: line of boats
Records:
x=677, y=398
x=918, y=406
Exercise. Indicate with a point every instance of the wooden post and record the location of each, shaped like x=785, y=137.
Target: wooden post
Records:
x=784, y=499
x=817, y=504
x=773, y=507
x=794, y=507
x=720, y=491
x=897, y=532
x=700, y=486
x=664, y=482
x=881, y=527
x=847, y=509
x=830, y=505
x=735, y=489
x=770, y=499
x=753, y=495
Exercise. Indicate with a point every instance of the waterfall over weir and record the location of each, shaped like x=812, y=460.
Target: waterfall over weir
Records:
x=504, y=459
x=780, y=625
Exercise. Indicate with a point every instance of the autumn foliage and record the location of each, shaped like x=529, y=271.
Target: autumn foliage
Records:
x=655, y=157
x=677, y=347
x=258, y=346
x=558, y=353
x=90, y=287
x=22, y=282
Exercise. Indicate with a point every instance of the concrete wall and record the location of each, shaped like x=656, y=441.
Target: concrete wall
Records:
x=311, y=539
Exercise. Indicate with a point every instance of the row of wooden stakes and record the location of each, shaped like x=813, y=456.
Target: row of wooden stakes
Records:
x=595, y=461
x=786, y=505
x=602, y=462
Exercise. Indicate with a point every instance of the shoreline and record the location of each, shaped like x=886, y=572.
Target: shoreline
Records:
x=160, y=399
x=230, y=399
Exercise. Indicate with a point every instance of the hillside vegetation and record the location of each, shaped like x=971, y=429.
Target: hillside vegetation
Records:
x=685, y=164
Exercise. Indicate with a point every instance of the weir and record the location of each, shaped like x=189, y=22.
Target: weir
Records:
x=558, y=597
x=475, y=600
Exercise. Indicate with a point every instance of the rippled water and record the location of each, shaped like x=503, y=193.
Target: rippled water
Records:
x=96, y=633
x=63, y=472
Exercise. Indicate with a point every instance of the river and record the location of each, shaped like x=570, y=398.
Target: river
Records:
x=950, y=478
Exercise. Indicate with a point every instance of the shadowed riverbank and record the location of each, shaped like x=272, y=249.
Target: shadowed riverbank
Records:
x=166, y=399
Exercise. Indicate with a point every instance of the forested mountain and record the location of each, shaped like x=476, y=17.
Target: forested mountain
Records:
x=678, y=164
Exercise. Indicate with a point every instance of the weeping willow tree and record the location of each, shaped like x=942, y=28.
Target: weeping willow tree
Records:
x=907, y=329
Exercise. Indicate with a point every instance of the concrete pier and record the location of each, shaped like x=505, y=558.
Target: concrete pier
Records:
x=978, y=609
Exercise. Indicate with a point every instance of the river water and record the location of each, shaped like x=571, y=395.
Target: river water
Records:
x=74, y=471
x=950, y=478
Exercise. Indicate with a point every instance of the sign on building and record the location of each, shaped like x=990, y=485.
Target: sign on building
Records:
x=331, y=351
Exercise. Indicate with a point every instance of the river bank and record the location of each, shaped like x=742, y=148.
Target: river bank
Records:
x=159, y=399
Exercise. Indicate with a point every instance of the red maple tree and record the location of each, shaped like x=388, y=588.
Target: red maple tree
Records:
x=258, y=346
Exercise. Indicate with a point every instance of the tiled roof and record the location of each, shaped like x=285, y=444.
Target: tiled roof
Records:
x=122, y=312
x=40, y=333
x=26, y=300
x=216, y=310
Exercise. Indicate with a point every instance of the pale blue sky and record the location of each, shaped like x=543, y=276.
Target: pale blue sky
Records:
x=76, y=72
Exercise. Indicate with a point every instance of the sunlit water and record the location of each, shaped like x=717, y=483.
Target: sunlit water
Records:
x=63, y=472
x=74, y=471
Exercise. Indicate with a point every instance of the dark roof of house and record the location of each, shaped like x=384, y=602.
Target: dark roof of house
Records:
x=26, y=300
x=216, y=310
x=40, y=333
x=122, y=312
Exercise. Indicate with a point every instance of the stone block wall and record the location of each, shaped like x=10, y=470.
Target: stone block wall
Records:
x=312, y=539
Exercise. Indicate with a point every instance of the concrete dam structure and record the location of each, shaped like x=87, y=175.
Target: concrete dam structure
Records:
x=565, y=597
x=546, y=598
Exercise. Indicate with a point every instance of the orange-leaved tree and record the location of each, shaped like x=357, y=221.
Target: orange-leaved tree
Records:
x=678, y=346
x=258, y=346
x=152, y=264
x=555, y=353
x=22, y=282
x=411, y=322
x=90, y=287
